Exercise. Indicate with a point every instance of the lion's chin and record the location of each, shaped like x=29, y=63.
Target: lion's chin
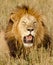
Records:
x=28, y=45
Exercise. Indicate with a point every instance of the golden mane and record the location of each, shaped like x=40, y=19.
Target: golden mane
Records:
x=16, y=15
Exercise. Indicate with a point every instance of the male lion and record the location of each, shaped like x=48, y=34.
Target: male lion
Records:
x=26, y=30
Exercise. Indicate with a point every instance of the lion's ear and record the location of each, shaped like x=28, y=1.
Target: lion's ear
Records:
x=13, y=17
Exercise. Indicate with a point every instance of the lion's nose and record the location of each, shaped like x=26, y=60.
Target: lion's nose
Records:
x=30, y=30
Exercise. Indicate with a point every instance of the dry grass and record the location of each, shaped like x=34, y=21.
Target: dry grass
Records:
x=35, y=58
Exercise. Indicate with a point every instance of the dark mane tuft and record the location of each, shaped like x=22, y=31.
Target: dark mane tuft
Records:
x=23, y=7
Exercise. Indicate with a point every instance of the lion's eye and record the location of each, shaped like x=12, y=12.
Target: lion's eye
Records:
x=34, y=23
x=23, y=22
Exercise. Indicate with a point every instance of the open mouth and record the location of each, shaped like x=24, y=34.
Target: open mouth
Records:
x=28, y=39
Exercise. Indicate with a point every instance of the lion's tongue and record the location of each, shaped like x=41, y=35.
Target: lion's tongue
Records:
x=29, y=38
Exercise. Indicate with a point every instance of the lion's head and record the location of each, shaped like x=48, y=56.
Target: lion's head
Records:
x=28, y=28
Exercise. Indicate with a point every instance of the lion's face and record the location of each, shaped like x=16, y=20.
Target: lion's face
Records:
x=28, y=27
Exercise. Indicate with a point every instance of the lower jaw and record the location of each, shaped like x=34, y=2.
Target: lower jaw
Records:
x=28, y=45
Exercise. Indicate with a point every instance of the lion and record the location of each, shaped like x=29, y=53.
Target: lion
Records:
x=26, y=30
